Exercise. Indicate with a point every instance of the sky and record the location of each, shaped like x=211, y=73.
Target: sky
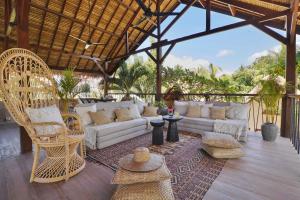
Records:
x=228, y=50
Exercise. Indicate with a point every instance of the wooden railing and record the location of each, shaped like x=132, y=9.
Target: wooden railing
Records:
x=256, y=116
x=295, y=122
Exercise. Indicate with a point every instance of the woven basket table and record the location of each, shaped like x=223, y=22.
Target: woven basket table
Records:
x=152, y=185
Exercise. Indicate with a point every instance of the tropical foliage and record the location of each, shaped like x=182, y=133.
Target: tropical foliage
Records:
x=140, y=76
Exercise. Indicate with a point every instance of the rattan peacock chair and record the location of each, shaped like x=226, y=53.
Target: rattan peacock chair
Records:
x=26, y=83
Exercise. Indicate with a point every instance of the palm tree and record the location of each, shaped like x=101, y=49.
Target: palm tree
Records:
x=127, y=76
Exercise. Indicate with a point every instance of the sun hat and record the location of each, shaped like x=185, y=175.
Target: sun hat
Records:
x=141, y=161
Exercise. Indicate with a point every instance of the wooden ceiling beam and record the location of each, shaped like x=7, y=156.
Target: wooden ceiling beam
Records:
x=112, y=67
x=212, y=31
x=93, y=31
x=247, y=6
x=42, y=27
x=125, y=33
x=271, y=33
x=68, y=32
x=56, y=28
x=232, y=9
x=294, y=17
x=208, y=14
x=183, y=11
x=7, y=13
x=202, y=3
x=82, y=30
x=117, y=26
x=72, y=19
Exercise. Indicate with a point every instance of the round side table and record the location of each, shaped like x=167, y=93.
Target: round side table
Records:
x=157, y=133
x=172, y=135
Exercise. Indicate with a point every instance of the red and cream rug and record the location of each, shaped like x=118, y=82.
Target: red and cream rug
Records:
x=193, y=170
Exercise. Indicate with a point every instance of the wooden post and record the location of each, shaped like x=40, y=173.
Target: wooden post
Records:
x=208, y=17
x=291, y=71
x=22, y=9
x=7, y=13
x=158, y=55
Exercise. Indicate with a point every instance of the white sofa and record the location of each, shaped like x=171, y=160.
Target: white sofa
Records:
x=101, y=136
x=201, y=125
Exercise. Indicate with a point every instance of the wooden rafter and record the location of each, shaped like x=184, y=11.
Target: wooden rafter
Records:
x=55, y=30
x=82, y=30
x=208, y=14
x=294, y=17
x=122, y=34
x=73, y=19
x=68, y=33
x=232, y=9
x=93, y=31
x=42, y=27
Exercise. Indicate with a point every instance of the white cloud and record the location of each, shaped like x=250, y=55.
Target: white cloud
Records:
x=185, y=61
x=259, y=54
x=224, y=52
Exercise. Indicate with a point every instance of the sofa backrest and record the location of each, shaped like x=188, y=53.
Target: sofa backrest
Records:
x=113, y=105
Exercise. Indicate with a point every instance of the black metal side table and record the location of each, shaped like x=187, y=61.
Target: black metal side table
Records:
x=172, y=135
x=157, y=133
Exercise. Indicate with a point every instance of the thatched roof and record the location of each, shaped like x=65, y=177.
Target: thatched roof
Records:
x=51, y=21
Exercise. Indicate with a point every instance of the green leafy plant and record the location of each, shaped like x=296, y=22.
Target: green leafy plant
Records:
x=127, y=77
x=67, y=87
x=271, y=93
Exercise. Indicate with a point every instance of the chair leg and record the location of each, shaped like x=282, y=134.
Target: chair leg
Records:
x=35, y=161
x=83, y=149
x=67, y=161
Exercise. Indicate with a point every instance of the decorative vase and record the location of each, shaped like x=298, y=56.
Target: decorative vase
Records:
x=269, y=131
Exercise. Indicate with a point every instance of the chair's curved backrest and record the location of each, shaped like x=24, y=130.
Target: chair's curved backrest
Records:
x=25, y=81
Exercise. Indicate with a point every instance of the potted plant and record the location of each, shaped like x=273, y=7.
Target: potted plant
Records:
x=172, y=94
x=270, y=94
x=67, y=86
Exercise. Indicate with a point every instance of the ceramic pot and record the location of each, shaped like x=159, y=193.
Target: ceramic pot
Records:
x=269, y=131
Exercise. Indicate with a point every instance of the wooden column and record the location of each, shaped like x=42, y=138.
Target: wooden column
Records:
x=208, y=17
x=158, y=55
x=7, y=12
x=22, y=9
x=291, y=70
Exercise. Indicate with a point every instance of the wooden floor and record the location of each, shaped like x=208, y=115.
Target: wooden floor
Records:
x=268, y=171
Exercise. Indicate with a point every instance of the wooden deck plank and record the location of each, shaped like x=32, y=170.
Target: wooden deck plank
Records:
x=269, y=171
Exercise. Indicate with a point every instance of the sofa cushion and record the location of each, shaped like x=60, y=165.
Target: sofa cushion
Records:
x=194, y=111
x=140, y=104
x=123, y=114
x=216, y=152
x=106, y=129
x=134, y=111
x=220, y=140
x=237, y=111
x=217, y=112
x=198, y=103
x=82, y=110
x=45, y=114
x=113, y=105
x=181, y=107
x=205, y=112
x=100, y=117
x=197, y=121
x=150, y=111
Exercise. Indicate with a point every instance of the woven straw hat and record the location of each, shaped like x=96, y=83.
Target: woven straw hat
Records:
x=141, y=161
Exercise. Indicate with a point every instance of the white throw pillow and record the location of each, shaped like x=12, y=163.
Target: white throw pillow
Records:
x=205, y=111
x=134, y=111
x=141, y=106
x=181, y=107
x=196, y=103
x=238, y=111
x=45, y=114
x=82, y=111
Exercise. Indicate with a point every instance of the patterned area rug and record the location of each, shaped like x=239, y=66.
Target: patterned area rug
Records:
x=193, y=170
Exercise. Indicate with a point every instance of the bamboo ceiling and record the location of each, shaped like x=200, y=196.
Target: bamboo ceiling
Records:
x=51, y=21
